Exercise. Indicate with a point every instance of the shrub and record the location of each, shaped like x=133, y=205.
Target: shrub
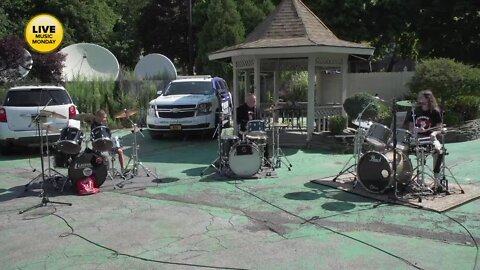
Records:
x=337, y=123
x=378, y=111
x=452, y=119
x=468, y=107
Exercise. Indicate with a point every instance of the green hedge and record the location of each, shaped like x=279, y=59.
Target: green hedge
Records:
x=378, y=112
x=337, y=124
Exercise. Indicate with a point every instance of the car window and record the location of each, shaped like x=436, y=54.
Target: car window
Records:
x=37, y=97
x=184, y=88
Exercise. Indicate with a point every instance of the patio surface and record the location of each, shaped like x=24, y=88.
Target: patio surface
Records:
x=183, y=221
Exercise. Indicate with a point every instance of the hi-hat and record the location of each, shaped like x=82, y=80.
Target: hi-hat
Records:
x=362, y=123
x=85, y=117
x=52, y=114
x=50, y=127
x=405, y=103
x=125, y=113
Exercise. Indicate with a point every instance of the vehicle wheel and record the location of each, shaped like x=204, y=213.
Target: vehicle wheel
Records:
x=155, y=135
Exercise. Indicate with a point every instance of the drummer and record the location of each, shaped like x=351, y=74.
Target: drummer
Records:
x=101, y=120
x=426, y=115
x=247, y=112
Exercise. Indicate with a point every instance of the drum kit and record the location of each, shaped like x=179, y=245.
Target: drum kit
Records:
x=382, y=158
x=247, y=154
x=90, y=161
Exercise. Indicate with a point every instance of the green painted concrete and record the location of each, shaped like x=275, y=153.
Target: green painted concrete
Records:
x=289, y=223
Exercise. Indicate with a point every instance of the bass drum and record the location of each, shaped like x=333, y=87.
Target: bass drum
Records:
x=87, y=164
x=244, y=159
x=375, y=171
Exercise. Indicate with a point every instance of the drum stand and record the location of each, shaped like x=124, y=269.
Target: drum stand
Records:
x=113, y=172
x=277, y=151
x=44, y=195
x=134, y=158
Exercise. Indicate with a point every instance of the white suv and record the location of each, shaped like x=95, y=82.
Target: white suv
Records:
x=23, y=103
x=189, y=105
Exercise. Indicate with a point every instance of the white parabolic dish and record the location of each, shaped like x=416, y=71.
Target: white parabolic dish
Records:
x=89, y=61
x=155, y=66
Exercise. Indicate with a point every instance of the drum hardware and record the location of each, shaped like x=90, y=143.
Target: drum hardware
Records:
x=41, y=117
x=278, y=154
x=219, y=164
x=357, y=147
x=114, y=172
x=134, y=158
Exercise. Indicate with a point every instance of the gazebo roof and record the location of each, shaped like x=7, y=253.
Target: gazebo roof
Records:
x=291, y=25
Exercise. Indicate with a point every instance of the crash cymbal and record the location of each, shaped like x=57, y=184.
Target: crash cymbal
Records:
x=125, y=113
x=362, y=123
x=85, y=117
x=52, y=114
x=405, y=103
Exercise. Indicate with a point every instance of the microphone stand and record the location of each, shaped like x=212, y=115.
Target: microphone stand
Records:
x=394, y=139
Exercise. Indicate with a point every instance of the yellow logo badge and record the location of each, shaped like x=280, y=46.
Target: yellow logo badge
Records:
x=44, y=33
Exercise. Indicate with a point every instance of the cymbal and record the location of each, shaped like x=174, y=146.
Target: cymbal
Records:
x=50, y=127
x=85, y=117
x=52, y=114
x=405, y=103
x=126, y=113
x=362, y=123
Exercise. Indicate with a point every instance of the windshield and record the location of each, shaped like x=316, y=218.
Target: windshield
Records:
x=37, y=97
x=185, y=88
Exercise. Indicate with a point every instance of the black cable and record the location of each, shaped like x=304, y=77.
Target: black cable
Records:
x=328, y=229
x=117, y=253
x=469, y=233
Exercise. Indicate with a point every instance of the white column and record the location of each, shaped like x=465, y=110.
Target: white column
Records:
x=235, y=95
x=247, y=84
x=344, y=81
x=311, y=98
x=256, y=82
x=276, y=85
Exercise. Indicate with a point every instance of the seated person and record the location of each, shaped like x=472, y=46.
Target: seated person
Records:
x=101, y=120
x=420, y=121
x=247, y=112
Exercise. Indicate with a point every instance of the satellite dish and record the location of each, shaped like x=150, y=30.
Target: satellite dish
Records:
x=16, y=74
x=155, y=66
x=27, y=65
x=89, y=61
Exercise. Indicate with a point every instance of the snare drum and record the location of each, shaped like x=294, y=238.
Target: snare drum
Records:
x=101, y=139
x=70, y=141
x=244, y=159
x=377, y=136
x=256, y=132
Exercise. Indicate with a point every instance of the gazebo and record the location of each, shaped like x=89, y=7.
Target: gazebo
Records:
x=290, y=38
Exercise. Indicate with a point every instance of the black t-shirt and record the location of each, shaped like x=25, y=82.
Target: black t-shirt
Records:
x=95, y=124
x=424, y=119
x=245, y=114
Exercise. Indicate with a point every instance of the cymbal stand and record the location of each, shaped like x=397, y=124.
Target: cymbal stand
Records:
x=134, y=158
x=218, y=163
x=357, y=149
x=277, y=151
x=44, y=195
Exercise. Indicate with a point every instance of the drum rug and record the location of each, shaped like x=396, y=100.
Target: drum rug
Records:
x=439, y=202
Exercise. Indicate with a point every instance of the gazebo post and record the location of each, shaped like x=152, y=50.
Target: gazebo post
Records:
x=276, y=85
x=311, y=98
x=235, y=96
x=256, y=82
x=247, y=84
x=344, y=80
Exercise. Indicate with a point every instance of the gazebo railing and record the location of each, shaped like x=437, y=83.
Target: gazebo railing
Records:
x=295, y=115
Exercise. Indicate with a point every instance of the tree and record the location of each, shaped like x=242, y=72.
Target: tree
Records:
x=11, y=57
x=253, y=12
x=47, y=68
x=222, y=28
x=164, y=29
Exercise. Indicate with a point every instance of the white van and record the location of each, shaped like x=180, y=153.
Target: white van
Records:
x=190, y=105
